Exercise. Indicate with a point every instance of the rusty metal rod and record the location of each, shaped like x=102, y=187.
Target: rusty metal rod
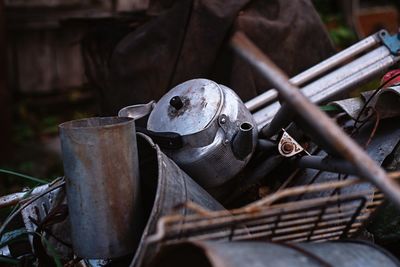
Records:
x=322, y=124
x=252, y=221
x=259, y=225
x=270, y=229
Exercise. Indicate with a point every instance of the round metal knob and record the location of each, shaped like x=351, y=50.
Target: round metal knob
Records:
x=176, y=102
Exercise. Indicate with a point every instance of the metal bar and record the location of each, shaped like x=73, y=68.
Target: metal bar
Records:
x=326, y=164
x=268, y=234
x=322, y=238
x=322, y=124
x=326, y=235
x=334, y=83
x=254, y=219
x=353, y=218
x=337, y=59
x=264, y=227
x=306, y=209
x=267, y=231
x=317, y=222
x=349, y=70
x=315, y=71
x=357, y=79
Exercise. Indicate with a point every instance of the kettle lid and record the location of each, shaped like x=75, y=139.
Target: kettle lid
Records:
x=188, y=108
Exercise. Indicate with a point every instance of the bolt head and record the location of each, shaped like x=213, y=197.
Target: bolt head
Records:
x=287, y=147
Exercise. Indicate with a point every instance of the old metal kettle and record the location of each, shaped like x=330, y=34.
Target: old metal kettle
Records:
x=206, y=129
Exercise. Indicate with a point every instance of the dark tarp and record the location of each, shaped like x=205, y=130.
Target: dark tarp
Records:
x=188, y=39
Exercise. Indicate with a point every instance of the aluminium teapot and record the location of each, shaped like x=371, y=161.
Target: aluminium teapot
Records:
x=206, y=129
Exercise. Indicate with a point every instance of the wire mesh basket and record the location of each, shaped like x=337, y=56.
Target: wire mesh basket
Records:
x=279, y=217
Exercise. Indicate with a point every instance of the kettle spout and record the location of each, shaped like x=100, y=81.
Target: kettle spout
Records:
x=242, y=143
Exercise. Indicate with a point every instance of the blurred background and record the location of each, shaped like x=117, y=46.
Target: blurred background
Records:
x=42, y=77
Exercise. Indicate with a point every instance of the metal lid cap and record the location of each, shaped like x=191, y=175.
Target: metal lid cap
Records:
x=188, y=108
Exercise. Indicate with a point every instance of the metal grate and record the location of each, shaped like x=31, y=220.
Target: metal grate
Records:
x=277, y=217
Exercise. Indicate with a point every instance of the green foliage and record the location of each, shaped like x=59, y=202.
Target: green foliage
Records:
x=342, y=36
x=329, y=108
x=24, y=176
x=49, y=125
x=22, y=132
x=52, y=251
x=331, y=14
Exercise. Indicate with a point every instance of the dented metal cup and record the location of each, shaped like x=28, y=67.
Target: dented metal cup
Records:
x=165, y=188
x=102, y=182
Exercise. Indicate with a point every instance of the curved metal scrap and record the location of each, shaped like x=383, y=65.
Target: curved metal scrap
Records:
x=167, y=188
x=386, y=102
x=263, y=254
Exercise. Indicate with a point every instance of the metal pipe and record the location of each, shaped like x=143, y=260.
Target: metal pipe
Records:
x=326, y=164
x=337, y=59
x=361, y=76
x=322, y=124
x=242, y=143
x=315, y=71
x=264, y=116
x=346, y=71
x=102, y=183
x=266, y=146
x=282, y=119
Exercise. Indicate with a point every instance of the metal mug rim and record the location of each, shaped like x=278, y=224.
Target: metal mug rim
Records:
x=74, y=124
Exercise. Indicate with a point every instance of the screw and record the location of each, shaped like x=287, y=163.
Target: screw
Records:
x=223, y=120
x=287, y=147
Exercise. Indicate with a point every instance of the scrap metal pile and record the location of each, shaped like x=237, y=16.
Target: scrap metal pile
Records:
x=202, y=179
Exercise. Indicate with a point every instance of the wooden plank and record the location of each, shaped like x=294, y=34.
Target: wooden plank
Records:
x=45, y=3
x=131, y=5
x=48, y=59
x=5, y=101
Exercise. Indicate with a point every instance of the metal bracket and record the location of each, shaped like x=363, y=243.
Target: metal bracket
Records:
x=288, y=146
x=392, y=42
x=229, y=128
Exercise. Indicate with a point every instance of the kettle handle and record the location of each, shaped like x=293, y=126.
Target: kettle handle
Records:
x=166, y=140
